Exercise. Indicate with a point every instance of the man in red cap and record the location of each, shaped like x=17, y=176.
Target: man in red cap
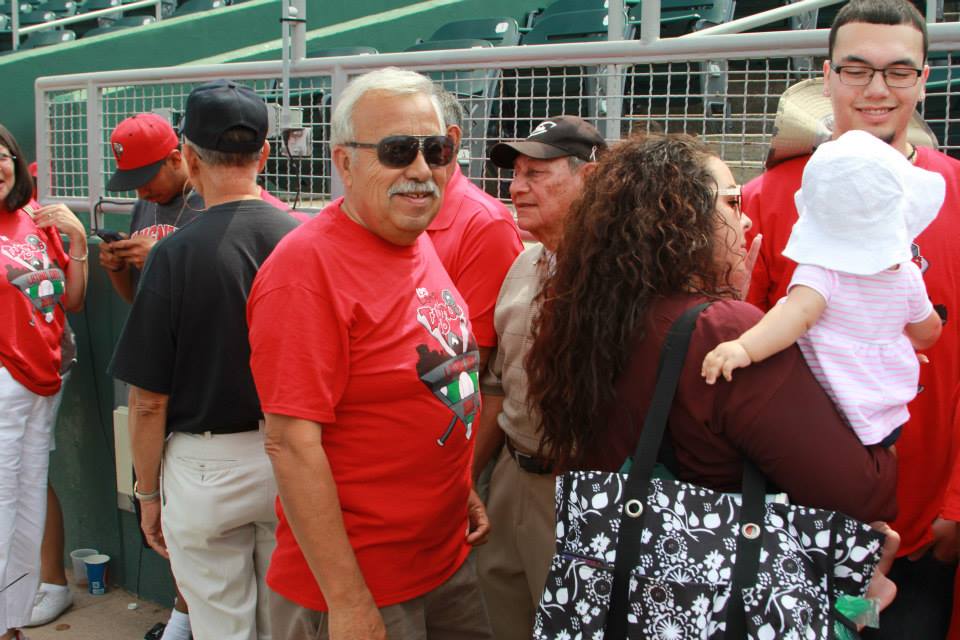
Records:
x=147, y=151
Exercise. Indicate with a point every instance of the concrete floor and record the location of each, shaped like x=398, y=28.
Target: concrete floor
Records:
x=106, y=617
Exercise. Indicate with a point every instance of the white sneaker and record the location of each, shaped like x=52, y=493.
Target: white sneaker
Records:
x=49, y=604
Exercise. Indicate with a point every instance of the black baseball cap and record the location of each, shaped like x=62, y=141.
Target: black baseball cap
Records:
x=554, y=138
x=215, y=107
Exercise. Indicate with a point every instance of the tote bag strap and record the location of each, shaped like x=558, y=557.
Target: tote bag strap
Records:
x=749, y=545
x=672, y=356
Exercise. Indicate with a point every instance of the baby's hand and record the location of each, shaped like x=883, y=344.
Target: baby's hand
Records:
x=725, y=358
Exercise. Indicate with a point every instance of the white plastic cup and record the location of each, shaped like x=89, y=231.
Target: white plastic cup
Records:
x=79, y=567
x=97, y=576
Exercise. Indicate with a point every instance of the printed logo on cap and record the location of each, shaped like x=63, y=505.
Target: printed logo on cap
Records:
x=542, y=128
x=117, y=149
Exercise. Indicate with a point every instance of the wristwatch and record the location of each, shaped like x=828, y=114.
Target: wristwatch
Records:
x=153, y=496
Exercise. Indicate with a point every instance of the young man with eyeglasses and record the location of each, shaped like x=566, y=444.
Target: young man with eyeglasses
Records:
x=366, y=367
x=874, y=78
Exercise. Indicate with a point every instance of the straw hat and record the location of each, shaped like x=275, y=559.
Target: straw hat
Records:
x=861, y=203
x=805, y=120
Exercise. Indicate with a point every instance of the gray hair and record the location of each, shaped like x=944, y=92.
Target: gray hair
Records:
x=575, y=163
x=390, y=80
x=453, y=112
x=225, y=158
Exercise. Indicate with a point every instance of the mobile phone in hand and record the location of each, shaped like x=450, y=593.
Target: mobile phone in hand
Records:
x=109, y=236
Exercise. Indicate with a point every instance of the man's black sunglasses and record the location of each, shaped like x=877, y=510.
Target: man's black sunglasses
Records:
x=398, y=152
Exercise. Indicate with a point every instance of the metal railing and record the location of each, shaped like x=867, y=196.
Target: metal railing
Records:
x=16, y=31
x=724, y=88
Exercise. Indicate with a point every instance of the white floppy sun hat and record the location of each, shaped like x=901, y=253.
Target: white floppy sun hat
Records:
x=861, y=203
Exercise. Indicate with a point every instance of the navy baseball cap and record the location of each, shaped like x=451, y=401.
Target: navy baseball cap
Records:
x=216, y=107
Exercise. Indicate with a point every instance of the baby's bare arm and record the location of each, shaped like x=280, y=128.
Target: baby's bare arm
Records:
x=776, y=331
x=924, y=334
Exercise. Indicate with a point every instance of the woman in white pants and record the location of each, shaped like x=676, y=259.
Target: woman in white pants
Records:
x=39, y=281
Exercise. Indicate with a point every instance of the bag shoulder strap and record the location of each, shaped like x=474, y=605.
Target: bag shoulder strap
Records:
x=672, y=357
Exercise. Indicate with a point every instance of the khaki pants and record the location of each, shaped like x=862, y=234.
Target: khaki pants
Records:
x=452, y=611
x=513, y=565
x=218, y=520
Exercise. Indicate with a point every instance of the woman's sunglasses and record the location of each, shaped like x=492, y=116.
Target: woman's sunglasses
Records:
x=398, y=152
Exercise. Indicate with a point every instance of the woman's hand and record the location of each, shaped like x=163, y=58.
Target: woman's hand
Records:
x=725, y=358
x=59, y=216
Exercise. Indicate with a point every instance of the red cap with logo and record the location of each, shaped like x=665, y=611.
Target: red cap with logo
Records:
x=140, y=145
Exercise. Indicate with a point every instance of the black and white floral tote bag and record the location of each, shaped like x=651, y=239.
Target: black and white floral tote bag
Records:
x=640, y=557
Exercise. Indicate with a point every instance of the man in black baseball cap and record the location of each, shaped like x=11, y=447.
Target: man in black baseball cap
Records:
x=549, y=168
x=184, y=351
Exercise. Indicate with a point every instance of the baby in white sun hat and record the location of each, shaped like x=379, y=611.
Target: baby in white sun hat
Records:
x=856, y=306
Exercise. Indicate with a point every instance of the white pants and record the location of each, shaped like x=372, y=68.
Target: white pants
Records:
x=26, y=421
x=218, y=520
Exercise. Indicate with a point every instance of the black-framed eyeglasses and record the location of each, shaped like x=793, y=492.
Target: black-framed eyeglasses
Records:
x=735, y=193
x=858, y=75
x=398, y=152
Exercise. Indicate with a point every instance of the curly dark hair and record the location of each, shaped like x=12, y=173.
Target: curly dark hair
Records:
x=643, y=227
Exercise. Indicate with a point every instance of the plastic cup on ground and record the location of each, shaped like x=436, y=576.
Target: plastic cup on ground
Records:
x=79, y=568
x=97, y=573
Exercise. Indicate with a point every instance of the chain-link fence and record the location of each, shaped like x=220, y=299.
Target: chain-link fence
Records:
x=723, y=88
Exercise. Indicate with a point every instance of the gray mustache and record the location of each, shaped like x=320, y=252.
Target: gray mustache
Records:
x=415, y=187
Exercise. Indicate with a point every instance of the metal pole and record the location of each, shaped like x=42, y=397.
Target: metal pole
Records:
x=338, y=82
x=616, y=26
x=94, y=153
x=159, y=10
x=931, y=10
x=300, y=30
x=287, y=12
x=42, y=128
x=15, y=23
x=650, y=21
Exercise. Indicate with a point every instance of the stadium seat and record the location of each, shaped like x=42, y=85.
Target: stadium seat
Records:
x=500, y=31
x=36, y=16
x=573, y=26
x=678, y=17
x=62, y=8
x=126, y=22
x=196, y=6
x=46, y=38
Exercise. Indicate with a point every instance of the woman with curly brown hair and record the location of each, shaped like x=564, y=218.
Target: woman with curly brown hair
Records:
x=657, y=230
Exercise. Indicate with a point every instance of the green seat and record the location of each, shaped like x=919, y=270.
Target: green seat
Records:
x=499, y=31
x=62, y=8
x=196, y=6
x=47, y=38
x=36, y=16
x=678, y=17
x=573, y=26
x=126, y=22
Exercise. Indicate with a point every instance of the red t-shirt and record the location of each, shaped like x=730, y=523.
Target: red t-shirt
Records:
x=273, y=200
x=33, y=263
x=924, y=449
x=372, y=341
x=477, y=240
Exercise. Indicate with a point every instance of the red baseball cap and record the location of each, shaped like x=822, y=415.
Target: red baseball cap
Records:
x=140, y=144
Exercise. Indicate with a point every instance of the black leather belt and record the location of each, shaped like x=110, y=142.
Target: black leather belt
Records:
x=527, y=462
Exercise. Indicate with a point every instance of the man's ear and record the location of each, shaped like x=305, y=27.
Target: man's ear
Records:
x=456, y=133
x=264, y=154
x=826, y=78
x=587, y=169
x=343, y=161
x=191, y=161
